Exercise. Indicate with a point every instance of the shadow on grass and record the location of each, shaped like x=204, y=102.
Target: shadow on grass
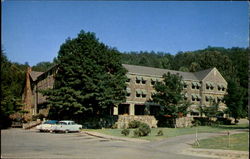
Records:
x=233, y=126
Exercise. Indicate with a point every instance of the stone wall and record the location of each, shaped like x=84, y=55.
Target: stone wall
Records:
x=184, y=122
x=123, y=120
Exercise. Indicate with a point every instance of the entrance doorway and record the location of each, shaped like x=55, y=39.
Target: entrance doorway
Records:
x=123, y=109
x=139, y=109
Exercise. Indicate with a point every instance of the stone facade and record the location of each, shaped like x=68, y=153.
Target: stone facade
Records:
x=201, y=88
x=123, y=120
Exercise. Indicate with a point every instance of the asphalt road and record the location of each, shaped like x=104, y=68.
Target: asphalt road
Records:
x=18, y=143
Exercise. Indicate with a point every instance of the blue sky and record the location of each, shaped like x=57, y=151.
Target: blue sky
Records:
x=33, y=31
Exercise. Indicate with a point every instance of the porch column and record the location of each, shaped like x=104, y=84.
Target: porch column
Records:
x=132, y=109
x=115, y=110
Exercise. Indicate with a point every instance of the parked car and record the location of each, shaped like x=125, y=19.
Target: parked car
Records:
x=66, y=126
x=46, y=126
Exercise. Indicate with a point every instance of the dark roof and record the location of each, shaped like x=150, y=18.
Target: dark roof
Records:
x=35, y=74
x=142, y=70
x=202, y=74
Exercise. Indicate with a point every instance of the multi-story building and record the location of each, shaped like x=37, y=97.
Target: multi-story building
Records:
x=200, y=88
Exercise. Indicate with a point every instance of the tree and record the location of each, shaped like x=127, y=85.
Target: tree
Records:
x=90, y=79
x=42, y=66
x=12, y=80
x=169, y=95
x=235, y=100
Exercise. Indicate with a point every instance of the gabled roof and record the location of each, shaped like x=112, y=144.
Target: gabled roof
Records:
x=35, y=74
x=202, y=74
x=142, y=70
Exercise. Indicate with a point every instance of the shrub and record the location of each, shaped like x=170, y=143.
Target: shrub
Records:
x=143, y=130
x=203, y=121
x=38, y=116
x=136, y=133
x=224, y=121
x=160, y=133
x=196, y=123
x=134, y=124
x=114, y=126
x=125, y=132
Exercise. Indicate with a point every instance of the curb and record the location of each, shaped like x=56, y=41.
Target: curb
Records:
x=109, y=137
x=216, y=153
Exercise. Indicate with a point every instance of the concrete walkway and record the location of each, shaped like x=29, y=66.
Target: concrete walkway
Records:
x=109, y=137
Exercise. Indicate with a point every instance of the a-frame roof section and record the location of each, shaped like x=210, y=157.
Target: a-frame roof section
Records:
x=34, y=75
x=202, y=74
x=218, y=74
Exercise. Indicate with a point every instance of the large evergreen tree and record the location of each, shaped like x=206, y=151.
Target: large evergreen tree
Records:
x=90, y=79
x=235, y=100
x=170, y=96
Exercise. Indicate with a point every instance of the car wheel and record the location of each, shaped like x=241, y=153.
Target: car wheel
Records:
x=66, y=131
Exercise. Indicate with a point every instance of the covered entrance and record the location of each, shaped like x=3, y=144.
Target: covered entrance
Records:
x=123, y=109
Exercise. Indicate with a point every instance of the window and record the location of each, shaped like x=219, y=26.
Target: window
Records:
x=128, y=92
x=186, y=96
x=128, y=80
x=207, y=98
x=185, y=85
x=138, y=79
x=144, y=93
x=153, y=81
x=193, y=85
x=138, y=93
x=194, y=114
x=143, y=81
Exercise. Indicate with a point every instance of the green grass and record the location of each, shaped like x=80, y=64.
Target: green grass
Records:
x=237, y=142
x=171, y=132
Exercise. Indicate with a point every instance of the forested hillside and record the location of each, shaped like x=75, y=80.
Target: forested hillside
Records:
x=232, y=63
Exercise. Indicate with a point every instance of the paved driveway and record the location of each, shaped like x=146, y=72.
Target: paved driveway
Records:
x=18, y=143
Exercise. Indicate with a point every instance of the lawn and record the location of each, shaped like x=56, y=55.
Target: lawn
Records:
x=237, y=142
x=172, y=132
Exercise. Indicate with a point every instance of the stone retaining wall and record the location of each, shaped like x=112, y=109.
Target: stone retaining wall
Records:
x=123, y=120
x=184, y=122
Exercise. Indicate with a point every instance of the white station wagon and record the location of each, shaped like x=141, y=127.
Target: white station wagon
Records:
x=46, y=126
x=66, y=126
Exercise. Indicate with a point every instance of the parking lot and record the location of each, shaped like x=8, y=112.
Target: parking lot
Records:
x=19, y=143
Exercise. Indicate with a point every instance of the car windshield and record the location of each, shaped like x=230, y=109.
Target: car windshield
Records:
x=62, y=123
x=51, y=122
